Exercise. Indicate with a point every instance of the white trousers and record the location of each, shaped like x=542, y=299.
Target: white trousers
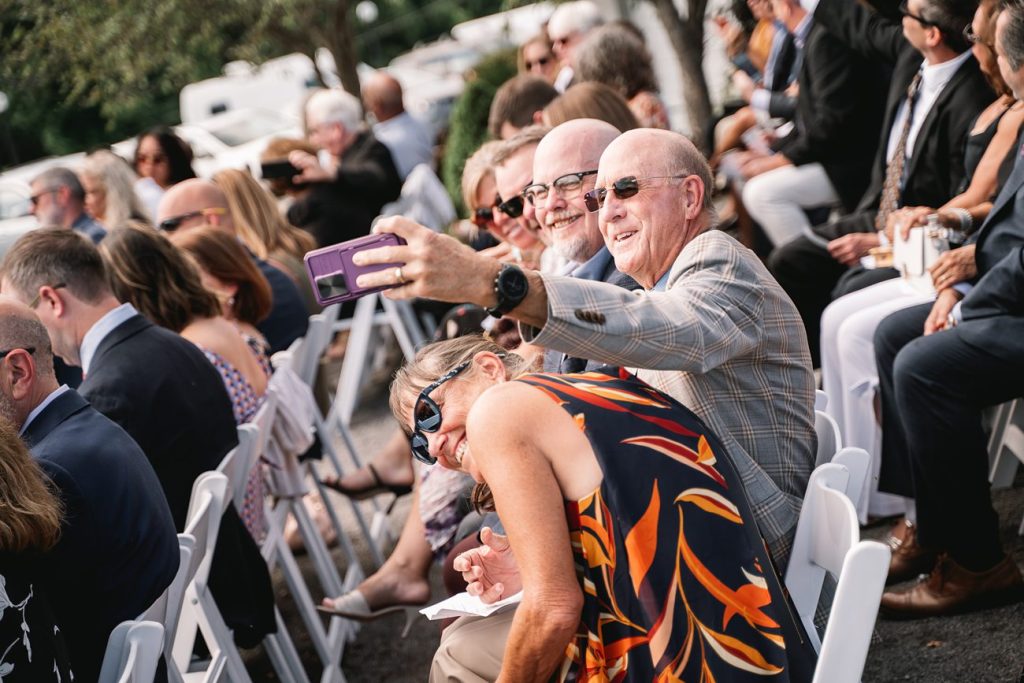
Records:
x=850, y=378
x=777, y=199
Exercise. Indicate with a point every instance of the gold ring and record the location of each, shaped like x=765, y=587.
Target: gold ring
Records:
x=399, y=276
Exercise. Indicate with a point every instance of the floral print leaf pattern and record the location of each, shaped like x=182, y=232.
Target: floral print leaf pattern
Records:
x=678, y=451
x=712, y=502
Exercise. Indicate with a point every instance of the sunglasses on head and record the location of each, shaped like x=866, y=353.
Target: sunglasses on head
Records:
x=566, y=187
x=513, y=208
x=482, y=217
x=174, y=222
x=623, y=189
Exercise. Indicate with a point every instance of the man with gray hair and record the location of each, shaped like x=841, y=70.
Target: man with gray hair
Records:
x=345, y=196
x=58, y=200
x=118, y=550
x=568, y=26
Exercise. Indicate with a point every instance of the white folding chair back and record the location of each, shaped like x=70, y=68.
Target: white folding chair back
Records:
x=830, y=441
x=318, y=337
x=857, y=461
x=133, y=652
x=820, y=400
x=167, y=608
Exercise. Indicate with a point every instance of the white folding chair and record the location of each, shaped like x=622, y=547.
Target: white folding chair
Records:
x=857, y=461
x=167, y=608
x=210, y=496
x=1006, y=446
x=820, y=400
x=827, y=536
x=133, y=652
x=829, y=438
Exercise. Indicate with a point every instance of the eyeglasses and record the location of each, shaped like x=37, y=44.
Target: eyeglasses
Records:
x=623, y=188
x=482, y=217
x=174, y=222
x=27, y=349
x=35, y=301
x=566, y=187
x=973, y=37
x=905, y=11
x=427, y=415
x=150, y=158
x=38, y=195
x=513, y=207
x=540, y=61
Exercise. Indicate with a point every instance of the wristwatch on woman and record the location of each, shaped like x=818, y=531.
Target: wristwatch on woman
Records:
x=510, y=288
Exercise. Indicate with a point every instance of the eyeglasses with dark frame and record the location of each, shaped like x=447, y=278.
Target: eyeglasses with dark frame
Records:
x=174, y=222
x=567, y=186
x=540, y=61
x=427, y=414
x=624, y=188
x=27, y=349
x=905, y=11
x=39, y=195
x=512, y=207
x=971, y=37
x=482, y=217
x=35, y=301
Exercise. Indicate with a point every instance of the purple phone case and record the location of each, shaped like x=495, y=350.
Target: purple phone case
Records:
x=333, y=275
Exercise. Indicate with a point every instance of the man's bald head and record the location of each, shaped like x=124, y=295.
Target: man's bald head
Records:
x=194, y=202
x=573, y=147
x=26, y=372
x=382, y=95
x=21, y=329
x=663, y=152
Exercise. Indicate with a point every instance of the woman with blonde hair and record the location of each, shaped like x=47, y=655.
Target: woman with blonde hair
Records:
x=263, y=229
x=109, y=185
x=31, y=645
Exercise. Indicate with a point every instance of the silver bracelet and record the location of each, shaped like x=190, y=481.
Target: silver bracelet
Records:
x=966, y=219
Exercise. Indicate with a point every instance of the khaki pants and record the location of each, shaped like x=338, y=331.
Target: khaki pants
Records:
x=471, y=649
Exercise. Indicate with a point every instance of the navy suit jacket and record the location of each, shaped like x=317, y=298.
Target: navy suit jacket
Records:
x=118, y=550
x=164, y=392
x=288, y=317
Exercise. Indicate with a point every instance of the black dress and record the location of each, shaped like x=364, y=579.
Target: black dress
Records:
x=31, y=644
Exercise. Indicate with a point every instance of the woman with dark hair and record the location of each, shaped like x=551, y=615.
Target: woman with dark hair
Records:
x=31, y=645
x=164, y=157
x=162, y=283
x=227, y=270
x=590, y=100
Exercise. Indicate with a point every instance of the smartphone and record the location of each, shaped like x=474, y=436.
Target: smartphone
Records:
x=278, y=169
x=333, y=275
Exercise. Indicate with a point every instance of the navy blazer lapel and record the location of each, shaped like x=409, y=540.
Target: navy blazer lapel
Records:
x=129, y=328
x=60, y=409
x=1007, y=195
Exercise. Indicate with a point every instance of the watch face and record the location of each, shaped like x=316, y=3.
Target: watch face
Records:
x=513, y=283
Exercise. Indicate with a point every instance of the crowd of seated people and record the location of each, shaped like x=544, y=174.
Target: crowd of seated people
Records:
x=630, y=388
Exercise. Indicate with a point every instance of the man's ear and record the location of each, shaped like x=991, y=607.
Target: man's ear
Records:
x=538, y=116
x=53, y=299
x=22, y=370
x=693, y=197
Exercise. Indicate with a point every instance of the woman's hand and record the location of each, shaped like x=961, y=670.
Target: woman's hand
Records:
x=943, y=306
x=954, y=267
x=904, y=219
x=849, y=248
x=490, y=571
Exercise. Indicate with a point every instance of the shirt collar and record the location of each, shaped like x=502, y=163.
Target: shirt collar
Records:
x=662, y=284
x=99, y=331
x=594, y=267
x=936, y=76
x=802, y=29
x=42, y=406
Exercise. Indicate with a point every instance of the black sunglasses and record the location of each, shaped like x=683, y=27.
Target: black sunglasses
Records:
x=27, y=349
x=623, y=189
x=566, y=187
x=174, y=222
x=513, y=208
x=481, y=217
x=540, y=61
x=427, y=415
x=905, y=11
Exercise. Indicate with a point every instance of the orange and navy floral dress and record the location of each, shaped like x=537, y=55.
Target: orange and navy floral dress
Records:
x=672, y=571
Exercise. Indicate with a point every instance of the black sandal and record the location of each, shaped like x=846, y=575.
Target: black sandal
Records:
x=376, y=487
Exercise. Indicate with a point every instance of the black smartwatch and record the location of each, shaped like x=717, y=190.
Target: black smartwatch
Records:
x=510, y=288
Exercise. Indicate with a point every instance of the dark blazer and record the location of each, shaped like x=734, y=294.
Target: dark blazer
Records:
x=164, y=392
x=288, y=319
x=784, y=71
x=1003, y=229
x=344, y=208
x=838, y=112
x=118, y=550
x=936, y=166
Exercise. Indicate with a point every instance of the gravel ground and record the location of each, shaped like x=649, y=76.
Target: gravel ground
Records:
x=979, y=648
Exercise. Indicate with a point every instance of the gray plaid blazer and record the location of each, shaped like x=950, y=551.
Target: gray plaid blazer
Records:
x=724, y=340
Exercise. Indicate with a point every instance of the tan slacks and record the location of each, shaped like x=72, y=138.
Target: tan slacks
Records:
x=471, y=649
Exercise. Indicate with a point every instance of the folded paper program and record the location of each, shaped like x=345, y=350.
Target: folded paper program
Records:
x=464, y=604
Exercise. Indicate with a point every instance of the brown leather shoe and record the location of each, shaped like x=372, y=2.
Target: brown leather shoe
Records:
x=908, y=558
x=951, y=589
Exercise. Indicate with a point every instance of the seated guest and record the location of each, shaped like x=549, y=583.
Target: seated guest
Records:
x=711, y=328
x=58, y=200
x=117, y=550
x=360, y=179
x=30, y=525
x=926, y=124
x=826, y=159
x=514, y=218
x=568, y=26
x=578, y=477
x=536, y=58
x=264, y=231
x=518, y=104
x=407, y=139
x=127, y=361
x=590, y=101
x=933, y=387
x=194, y=203
x=617, y=57
x=174, y=297
x=162, y=159
x=848, y=324
x=109, y=190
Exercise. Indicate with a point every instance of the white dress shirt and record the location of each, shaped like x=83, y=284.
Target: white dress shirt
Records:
x=99, y=331
x=42, y=406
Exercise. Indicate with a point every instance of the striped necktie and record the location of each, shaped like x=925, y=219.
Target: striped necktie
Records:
x=892, y=187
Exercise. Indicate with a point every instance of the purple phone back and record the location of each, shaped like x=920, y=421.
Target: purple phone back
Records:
x=333, y=275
